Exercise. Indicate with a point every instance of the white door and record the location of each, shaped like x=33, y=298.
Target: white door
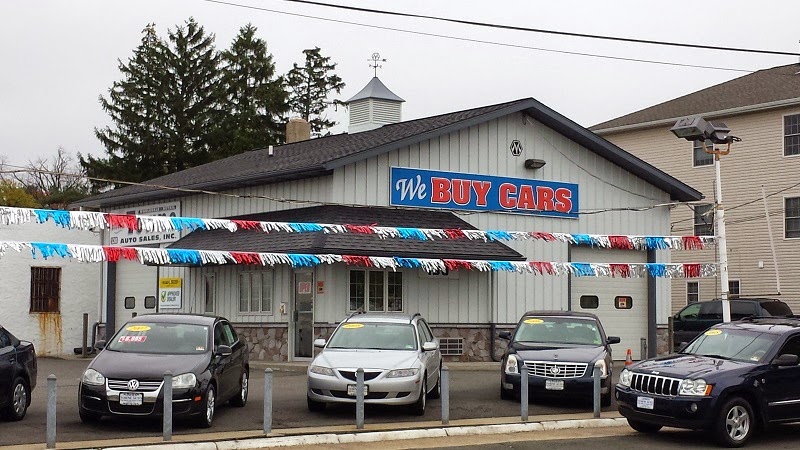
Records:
x=137, y=290
x=620, y=303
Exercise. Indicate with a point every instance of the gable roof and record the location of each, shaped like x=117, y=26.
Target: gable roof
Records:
x=768, y=88
x=318, y=157
x=352, y=244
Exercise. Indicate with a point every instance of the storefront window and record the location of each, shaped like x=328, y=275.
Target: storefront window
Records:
x=375, y=290
x=255, y=292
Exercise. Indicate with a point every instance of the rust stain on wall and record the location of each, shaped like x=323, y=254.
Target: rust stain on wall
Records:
x=50, y=330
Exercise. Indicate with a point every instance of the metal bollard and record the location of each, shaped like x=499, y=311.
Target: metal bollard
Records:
x=267, y=401
x=168, y=405
x=85, y=334
x=523, y=390
x=51, y=411
x=596, y=379
x=445, y=374
x=360, y=399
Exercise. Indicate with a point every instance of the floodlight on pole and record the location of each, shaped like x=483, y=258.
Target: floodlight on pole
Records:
x=697, y=129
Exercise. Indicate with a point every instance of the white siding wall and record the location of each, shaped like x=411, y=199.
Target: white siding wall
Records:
x=52, y=334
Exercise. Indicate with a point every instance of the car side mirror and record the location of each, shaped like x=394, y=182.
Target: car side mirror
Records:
x=504, y=335
x=100, y=345
x=224, y=350
x=613, y=340
x=319, y=343
x=429, y=346
x=786, y=360
x=683, y=346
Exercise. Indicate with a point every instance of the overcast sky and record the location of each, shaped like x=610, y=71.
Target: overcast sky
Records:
x=57, y=57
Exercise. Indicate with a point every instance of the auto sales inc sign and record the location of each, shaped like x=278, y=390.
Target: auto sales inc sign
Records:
x=473, y=192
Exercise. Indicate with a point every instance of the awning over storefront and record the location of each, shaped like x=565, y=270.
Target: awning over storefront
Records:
x=352, y=244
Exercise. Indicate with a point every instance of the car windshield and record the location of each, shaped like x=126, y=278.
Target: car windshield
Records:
x=558, y=330
x=374, y=336
x=167, y=338
x=731, y=343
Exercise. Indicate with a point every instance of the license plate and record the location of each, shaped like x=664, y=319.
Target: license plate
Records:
x=351, y=390
x=645, y=402
x=130, y=398
x=554, y=385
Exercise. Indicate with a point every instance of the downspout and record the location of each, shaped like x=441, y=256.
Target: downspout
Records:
x=652, y=338
x=492, y=318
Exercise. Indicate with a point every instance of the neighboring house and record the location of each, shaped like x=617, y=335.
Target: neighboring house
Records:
x=763, y=109
x=43, y=300
x=359, y=179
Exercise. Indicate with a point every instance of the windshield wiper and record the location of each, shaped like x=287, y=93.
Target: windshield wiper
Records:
x=713, y=356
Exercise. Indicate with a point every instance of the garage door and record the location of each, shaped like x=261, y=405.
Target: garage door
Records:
x=137, y=290
x=620, y=303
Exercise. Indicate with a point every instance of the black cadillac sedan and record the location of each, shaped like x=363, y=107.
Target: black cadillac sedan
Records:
x=208, y=361
x=560, y=349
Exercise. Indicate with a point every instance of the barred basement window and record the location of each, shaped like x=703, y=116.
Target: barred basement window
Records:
x=451, y=346
x=45, y=289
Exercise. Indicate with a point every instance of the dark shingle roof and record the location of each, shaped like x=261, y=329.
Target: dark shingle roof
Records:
x=317, y=157
x=351, y=244
x=758, y=88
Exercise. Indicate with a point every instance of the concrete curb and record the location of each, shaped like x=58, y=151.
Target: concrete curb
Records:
x=379, y=436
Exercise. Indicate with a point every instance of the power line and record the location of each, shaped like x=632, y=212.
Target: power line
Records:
x=482, y=41
x=540, y=30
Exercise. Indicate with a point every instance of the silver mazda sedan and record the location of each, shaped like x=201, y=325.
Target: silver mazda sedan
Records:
x=399, y=355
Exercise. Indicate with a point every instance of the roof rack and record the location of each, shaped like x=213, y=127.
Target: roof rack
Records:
x=412, y=317
x=356, y=312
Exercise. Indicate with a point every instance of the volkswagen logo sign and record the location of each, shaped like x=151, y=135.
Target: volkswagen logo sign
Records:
x=516, y=147
x=133, y=385
x=555, y=370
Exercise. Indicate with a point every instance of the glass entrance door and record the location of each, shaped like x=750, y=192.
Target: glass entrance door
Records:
x=303, y=315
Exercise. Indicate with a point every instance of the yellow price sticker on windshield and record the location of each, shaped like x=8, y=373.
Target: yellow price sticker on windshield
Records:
x=353, y=325
x=534, y=321
x=713, y=332
x=138, y=328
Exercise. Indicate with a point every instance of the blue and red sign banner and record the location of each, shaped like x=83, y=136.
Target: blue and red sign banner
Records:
x=473, y=192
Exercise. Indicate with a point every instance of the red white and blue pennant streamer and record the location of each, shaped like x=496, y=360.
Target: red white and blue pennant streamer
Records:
x=87, y=220
x=169, y=256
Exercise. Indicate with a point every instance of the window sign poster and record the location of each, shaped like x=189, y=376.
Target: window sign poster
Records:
x=169, y=293
x=304, y=287
x=127, y=238
x=474, y=192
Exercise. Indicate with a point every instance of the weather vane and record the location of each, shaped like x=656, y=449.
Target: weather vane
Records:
x=376, y=58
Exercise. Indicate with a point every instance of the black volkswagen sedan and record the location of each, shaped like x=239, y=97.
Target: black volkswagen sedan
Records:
x=560, y=349
x=208, y=361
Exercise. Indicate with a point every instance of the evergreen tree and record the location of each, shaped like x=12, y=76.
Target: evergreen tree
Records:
x=309, y=87
x=254, y=98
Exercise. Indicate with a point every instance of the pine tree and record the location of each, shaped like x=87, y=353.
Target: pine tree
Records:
x=309, y=87
x=255, y=101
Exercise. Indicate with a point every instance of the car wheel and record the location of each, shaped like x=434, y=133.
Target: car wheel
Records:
x=735, y=423
x=418, y=408
x=20, y=399
x=88, y=417
x=643, y=427
x=209, y=408
x=605, y=400
x=506, y=394
x=244, y=387
x=315, y=406
x=436, y=392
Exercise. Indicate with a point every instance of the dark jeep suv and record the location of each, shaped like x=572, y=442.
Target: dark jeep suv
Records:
x=731, y=380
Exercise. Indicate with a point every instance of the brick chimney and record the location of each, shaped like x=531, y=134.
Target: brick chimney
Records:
x=297, y=130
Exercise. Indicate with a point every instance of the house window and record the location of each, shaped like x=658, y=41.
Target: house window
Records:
x=376, y=290
x=791, y=135
x=791, y=215
x=734, y=288
x=255, y=292
x=692, y=292
x=701, y=158
x=45, y=289
x=704, y=220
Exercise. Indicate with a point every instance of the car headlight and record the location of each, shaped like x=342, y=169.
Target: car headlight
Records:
x=319, y=370
x=93, y=378
x=625, y=377
x=695, y=387
x=601, y=363
x=399, y=373
x=512, y=364
x=186, y=380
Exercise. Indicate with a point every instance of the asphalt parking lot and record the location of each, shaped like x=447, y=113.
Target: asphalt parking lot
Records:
x=474, y=393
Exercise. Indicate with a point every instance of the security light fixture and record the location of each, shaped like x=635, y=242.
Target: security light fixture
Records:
x=534, y=164
x=698, y=129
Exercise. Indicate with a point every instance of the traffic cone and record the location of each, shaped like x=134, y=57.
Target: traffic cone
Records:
x=628, y=359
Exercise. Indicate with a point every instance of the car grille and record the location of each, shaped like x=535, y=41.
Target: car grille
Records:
x=555, y=369
x=369, y=396
x=146, y=408
x=144, y=385
x=654, y=384
x=351, y=375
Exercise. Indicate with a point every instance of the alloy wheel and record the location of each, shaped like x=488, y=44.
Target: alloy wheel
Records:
x=20, y=399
